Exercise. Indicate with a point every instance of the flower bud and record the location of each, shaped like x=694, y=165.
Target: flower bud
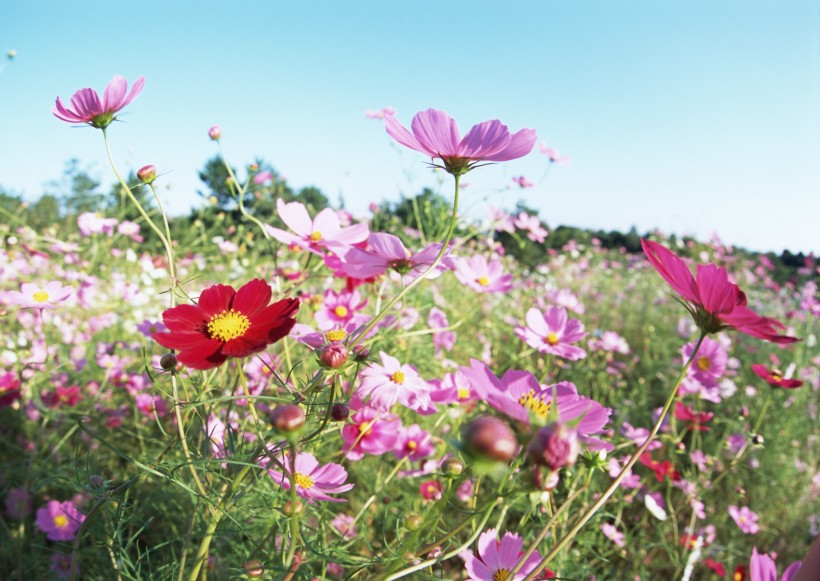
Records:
x=414, y=521
x=291, y=508
x=757, y=440
x=361, y=353
x=489, y=437
x=168, y=361
x=147, y=174
x=555, y=446
x=334, y=355
x=339, y=412
x=453, y=466
x=287, y=418
x=254, y=569
x=215, y=132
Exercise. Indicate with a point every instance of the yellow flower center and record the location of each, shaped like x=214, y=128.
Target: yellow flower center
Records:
x=703, y=363
x=228, y=325
x=412, y=445
x=336, y=335
x=365, y=428
x=742, y=519
x=40, y=296
x=535, y=403
x=776, y=374
x=551, y=339
x=60, y=521
x=397, y=377
x=482, y=281
x=340, y=311
x=303, y=480
x=316, y=236
x=501, y=575
x=463, y=393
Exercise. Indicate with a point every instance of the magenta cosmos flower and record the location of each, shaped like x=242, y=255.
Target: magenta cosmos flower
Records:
x=313, y=481
x=745, y=518
x=369, y=431
x=496, y=559
x=59, y=520
x=387, y=252
x=87, y=107
x=552, y=332
x=714, y=302
x=763, y=568
x=775, y=377
x=436, y=134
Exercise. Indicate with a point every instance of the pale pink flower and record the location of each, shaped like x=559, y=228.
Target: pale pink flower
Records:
x=482, y=275
x=87, y=107
x=313, y=481
x=380, y=113
x=745, y=519
x=523, y=182
x=613, y=534
x=532, y=226
x=91, y=223
x=345, y=524
x=392, y=383
x=763, y=568
x=553, y=155
x=322, y=232
x=552, y=332
x=34, y=296
x=496, y=559
x=442, y=340
x=436, y=134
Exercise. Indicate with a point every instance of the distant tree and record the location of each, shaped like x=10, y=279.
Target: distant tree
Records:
x=77, y=190
x=44, y=213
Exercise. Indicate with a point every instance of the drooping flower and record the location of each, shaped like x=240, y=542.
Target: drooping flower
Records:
x=436, y=134
x=763, y=568
x=552, y=332
x=482, y=275
x=391, y=383
x=59, y=520
x=496, y=559
x=87, y=107
x=313, y=481
x=34, y=296
x=714, y=302
x=226, y=323
x=322, y=232
x=745, y=518
x=775, y=377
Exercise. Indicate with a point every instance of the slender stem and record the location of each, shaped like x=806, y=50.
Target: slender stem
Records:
x=614, y=485
x=444, y=247
x=244, y=381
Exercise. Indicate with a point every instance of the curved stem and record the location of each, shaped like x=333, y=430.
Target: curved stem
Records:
x=444, y=247
x=614, y=485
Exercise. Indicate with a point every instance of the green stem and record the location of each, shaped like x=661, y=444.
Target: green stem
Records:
x=614, y=486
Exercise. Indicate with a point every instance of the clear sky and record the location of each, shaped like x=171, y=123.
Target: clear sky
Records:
x=690, y=116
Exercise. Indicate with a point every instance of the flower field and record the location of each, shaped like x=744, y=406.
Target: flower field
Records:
x=313, y=395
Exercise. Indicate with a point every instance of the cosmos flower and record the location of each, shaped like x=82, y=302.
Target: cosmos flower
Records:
x=226, y=323
x=613, y=534
x=340, y=308
x=322, y=232
x=369, y=432
x=391, y=383
x=496, y=559
x=763, y=568
x=775, y=377
x=34, y=296
x=482, y=275
x=552, y=332
x=714, y=302
x=436, y=134
x=387, y=252
x=313, y=481
x=745, y=519
x=87, y=107
x=59, y=520
x=414, y=442
x=697, y=420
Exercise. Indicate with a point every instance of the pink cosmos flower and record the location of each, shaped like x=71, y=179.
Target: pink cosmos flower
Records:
x=151, y=404
x=391, y=383
x=697, y=420
x=496, y=559
x=322, y=232
x=501, y=221
x=613, y=534
x=482, y=275
x=523, y=182
x=313, y=482
x=442, y=340
x=610, y=341
x=436, y=135
x=452, y=388
x=89, y=108
x=745, y=519
x=345, y=524
x=518, y=394
x=34, y=296
x=340, y=309
x=763, y=568
x=380, y=113
x=9, y=388
x=532, y=226
x=369, y=432
x=386, y=252
x=59, y=520
x=414, y=443
x=18, y=503
x=713, y=301
x=775, y=377
x=552, y=332
x=91, y=223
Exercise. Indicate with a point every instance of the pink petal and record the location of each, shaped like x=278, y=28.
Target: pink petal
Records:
x=521, y=143
x=295, y=216
x=114, y=94
x=484, y=140
x=437, y=132
x=398, y=132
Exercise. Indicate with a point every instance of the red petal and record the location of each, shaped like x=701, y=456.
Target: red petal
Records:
x=216, y=299
x=252, y=297
x=184, y=318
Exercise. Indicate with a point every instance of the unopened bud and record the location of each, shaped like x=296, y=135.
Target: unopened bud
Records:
x=215, y=132
x=489, y=437
x=168, y=361
x=287, y=418
x=453, y=466
x=293, y=508
x=555, y=446
x=147, y=174
x=361, y=353
x=339, y=412
x=254, y=569
x=334, y=355
x=414, y=521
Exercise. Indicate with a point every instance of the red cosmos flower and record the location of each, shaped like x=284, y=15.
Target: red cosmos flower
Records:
x=226, y=323
x=696, y=419
x=714, y=302
x=661, y=469
x=715, y=566
x=775, y=377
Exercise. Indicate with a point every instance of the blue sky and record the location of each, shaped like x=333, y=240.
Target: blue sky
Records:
x=692, y=117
